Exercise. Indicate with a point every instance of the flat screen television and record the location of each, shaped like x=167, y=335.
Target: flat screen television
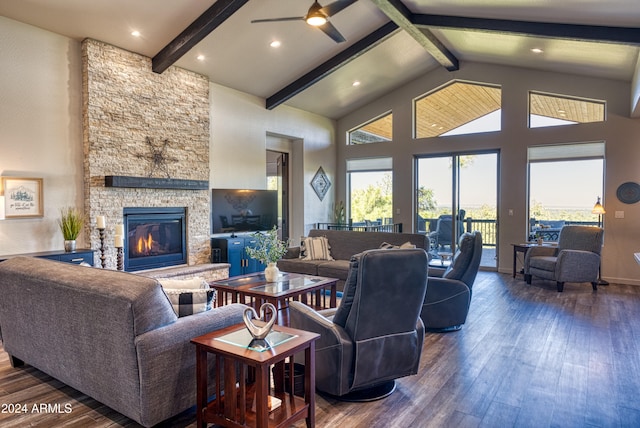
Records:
x=239, y=210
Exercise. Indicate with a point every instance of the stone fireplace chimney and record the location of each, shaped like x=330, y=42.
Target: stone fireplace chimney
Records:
x=138, y=123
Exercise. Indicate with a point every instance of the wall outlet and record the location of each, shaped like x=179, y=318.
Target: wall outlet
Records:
x=510, y=211
x=619, y=214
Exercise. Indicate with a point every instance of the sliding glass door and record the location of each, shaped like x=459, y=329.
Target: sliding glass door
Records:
x=458, y=193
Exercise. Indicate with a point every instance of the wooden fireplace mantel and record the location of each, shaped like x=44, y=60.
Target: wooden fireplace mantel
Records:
x=154, y=183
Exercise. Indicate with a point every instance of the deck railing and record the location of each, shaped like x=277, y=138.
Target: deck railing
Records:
x=393, y=227
x=488, y=229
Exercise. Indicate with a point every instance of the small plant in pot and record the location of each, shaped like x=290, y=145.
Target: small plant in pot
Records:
x=268, y=250
x=71, y=223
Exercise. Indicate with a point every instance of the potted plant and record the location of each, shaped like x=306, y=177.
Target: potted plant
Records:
x=71, y=223
x=268, y=250
x=338, y=213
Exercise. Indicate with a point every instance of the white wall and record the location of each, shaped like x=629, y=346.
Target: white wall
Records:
x=621, y=133
x=240, y=125
x=40, y=129
x=41, y=136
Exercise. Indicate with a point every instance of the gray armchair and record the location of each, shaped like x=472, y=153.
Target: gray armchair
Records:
x=375, y=335
x=575, y=259
x=448, y=297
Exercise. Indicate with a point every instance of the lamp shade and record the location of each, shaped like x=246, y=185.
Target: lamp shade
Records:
x=316, y=20
x=315, y=16
x=598, y=208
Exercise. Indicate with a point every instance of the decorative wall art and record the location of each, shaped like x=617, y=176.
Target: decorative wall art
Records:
x=22, y=197
x=320, y=183
x=629, y=192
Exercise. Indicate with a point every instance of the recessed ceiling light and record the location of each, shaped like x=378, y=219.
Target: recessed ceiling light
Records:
x=537, y=50
x=356, y=83
x=275, y=44
x=200, y=57
x=135, y=33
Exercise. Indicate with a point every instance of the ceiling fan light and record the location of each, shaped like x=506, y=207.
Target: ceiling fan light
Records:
x=316, y=19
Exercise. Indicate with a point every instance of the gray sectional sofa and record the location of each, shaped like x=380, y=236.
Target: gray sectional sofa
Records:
x=111, y=335
x=344, y=244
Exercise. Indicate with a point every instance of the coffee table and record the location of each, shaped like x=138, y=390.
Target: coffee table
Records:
x=254, y=289
x=243, y=374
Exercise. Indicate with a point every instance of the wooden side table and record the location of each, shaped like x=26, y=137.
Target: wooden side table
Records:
x=523, y=248
x=519, y=248
x=245, y=403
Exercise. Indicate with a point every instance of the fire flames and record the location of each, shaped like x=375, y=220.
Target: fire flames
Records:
x=144, y=246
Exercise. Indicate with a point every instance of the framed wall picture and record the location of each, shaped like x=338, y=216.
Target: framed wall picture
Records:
x=22, y=197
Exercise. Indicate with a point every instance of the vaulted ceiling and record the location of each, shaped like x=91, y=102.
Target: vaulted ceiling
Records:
x=388, y=42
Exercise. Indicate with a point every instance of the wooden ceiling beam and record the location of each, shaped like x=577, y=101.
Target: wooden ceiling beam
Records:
x=593, y=33
x=397, y=12
x=349, y=54
x=219, y=12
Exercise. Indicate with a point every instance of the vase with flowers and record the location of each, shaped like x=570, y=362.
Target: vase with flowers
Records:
x=71, y=223
x=268, y=250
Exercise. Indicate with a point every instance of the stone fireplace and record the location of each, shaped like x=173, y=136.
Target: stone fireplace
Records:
x=150, y=128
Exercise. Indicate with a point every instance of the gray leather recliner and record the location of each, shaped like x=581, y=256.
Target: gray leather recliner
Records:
x=446, y=304
x=375, y=335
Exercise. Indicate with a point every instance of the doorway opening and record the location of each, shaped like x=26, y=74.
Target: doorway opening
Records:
x=457, y=193
x=278, y=179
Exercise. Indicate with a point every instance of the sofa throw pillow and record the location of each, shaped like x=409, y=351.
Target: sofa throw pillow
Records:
x=387, y=246
x=315, y=248
x=189, y=302
x=195, y=283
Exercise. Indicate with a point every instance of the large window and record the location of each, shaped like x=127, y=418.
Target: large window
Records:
x=565, y=181
x=458, y=108
x=377, y=131
x=370, y=191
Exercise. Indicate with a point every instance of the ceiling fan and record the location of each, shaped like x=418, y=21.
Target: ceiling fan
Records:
x=318, y=16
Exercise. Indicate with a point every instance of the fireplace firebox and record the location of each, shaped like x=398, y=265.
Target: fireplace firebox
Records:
x=154, y=237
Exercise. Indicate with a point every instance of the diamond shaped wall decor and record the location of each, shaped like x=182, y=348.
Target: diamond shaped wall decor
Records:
x=320, y=183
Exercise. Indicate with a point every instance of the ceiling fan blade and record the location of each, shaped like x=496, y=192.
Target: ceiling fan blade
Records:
x=332, y=32
x=292, y=18
x=335, y=7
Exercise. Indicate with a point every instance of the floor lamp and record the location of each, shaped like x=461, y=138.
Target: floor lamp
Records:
x=599, y=209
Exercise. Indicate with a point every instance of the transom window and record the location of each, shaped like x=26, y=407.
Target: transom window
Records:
x=558, y=110
x=377, y=131
x=458, y=108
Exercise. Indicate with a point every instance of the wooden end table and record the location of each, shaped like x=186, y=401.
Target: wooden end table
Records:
x=245, y=399
x=524, y=248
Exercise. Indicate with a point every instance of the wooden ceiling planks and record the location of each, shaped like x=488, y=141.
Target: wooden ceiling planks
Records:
x=565, y=108
x=453, y=106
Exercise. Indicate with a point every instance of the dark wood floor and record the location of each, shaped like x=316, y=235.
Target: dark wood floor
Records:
x=527, y=357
